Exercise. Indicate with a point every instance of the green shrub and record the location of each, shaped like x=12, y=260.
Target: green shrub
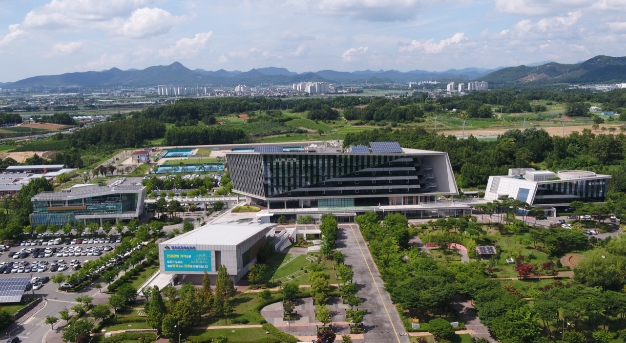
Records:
x=284, y=337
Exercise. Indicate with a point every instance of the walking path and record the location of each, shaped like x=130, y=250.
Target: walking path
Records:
x=469, y=317
x=382, y=322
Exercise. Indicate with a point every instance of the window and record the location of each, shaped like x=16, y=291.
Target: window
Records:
x=373, y=181
x=389, y=181
x=357, y=182
x=356, y=191
x=340, y=192
x=390, y=190
x=374, y=190
x=340, y=182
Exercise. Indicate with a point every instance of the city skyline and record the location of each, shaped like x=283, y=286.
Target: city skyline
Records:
x=59, y=36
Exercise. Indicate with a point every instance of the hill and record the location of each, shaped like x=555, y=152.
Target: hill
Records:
x=179, y=75
x=599, y=69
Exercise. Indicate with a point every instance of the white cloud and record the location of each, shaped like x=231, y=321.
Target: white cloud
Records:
x=372, y=10
x=107, y=61
x=432, y=47
x=303, y=49
x=353, y=54
x=547, y=7
x=617, y=26
x=558, y=27
x=187, y=47
x=77, y=13
x=146, y=22
x=298, y=37
x=66, y=48
x=14, y=32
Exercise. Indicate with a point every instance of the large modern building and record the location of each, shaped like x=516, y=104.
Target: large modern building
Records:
x=13, y=178
x=328, y=178
x=233, y=244
x=548, y=189
x=88, y=203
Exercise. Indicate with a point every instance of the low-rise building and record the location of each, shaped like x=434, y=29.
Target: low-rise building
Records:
x=13, y=178
x=548, y=189
x=233, y=244
x=88, y=203
x=140, y=156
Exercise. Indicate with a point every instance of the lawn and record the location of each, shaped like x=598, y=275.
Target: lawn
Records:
x=237, y=335
x=309, y=124
x=12, y=309
x=530, y=288
x=141, y=170
x=512, y=246
x=138, y=280
x=244, y=311
x=451, y=255
x=7, y=147
x=128, y=326
x=204, y=152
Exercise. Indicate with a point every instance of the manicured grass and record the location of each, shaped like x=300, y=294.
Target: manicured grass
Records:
x=248, y=334
x=288, y=268
x=128, y=326
x=143, y=276
x=244, y=305
x=246, y=209
x=449, y=256
x=7, y=147
x=12, y=309
x=24, y=129
x=142, y=170
x=204, y=152
x=530, y=288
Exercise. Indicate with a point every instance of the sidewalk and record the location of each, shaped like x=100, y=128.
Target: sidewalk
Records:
x=16, y=327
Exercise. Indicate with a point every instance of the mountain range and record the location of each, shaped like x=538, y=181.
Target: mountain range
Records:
x=599, y=69
x=178, y=75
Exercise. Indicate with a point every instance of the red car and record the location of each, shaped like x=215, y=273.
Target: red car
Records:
x=79, y=241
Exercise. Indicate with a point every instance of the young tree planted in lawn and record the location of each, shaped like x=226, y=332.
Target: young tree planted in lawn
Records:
x=51, y=320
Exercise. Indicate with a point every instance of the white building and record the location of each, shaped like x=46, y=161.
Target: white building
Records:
x=451, y=87
x=233, y=244
x=312, y=87
x=548, y=189
x=242, y=88
x=461, y=88
x=477, y=86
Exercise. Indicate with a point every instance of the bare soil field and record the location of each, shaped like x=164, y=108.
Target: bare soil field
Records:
x=45, y=126
x=21, y=157
x=551, y=130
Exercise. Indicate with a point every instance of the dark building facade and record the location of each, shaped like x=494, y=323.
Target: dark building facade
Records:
x=341, y=179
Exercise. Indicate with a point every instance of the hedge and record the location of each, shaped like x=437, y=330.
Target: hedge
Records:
x=284, y=337
x=130, y=336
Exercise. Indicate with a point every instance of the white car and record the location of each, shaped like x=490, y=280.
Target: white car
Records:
x=62, y=267
x=66, y=285
x=42, y=269
x=35, y=279
x=37, y=286
x=566, y=226
x=586, y=217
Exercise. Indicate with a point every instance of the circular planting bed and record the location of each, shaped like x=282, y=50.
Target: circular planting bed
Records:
x=571, y=260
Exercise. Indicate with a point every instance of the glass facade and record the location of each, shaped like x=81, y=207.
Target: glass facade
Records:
x=61, y=212
x=564, y=192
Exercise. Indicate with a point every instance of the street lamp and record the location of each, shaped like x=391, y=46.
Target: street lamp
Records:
x=178, y=327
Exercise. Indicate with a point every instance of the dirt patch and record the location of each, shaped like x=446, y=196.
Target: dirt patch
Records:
x=551, y=130
x=45, y=126
x=534, y=77
x=20, y=157
x=243, y=116
x=571, y=260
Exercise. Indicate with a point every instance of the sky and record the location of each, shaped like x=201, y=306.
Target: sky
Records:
x=59, y=36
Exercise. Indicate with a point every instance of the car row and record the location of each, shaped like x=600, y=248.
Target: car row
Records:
x=78, y=251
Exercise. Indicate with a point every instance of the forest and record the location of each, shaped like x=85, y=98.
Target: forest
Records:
x=473, y=160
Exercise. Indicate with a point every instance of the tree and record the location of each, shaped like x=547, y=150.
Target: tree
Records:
x=128, y=292
x=168, y=326
x=524, y=270
x=79, y=331
x=51, y=320
x=98, y=286
x=78, y=309
x=85, y=300
x=601, y=269
x=93, y=227
x=156, y=310
x=346, y=273
x=106, y=227
x=65, y=314
x=224, y=290
x=187, y=226
x=119, y=227
x=519, y=325
x=322, y=314
x=109, y=276
x=59, y=278
x=256, y=273
x=101, y=311
x=67, y=228
x=290, y=290
x=603, y=336
x=441, y=329
x=117, y=302
x=40, y=229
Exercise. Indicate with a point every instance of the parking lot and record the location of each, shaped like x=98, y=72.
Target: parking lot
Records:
x=48, y=257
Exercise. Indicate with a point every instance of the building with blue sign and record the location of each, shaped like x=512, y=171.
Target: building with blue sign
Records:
x=233, y=244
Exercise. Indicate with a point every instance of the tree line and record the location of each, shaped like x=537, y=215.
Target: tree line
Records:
x=188, y=135
x=123, y=133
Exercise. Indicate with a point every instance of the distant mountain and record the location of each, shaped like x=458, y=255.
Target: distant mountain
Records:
x=599, y=69
x=179, y=75
x=541, y=63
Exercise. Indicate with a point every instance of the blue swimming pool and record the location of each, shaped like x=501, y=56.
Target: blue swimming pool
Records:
x=293, y=148
x=178, y=152
x=242, y=149
x=191, y=168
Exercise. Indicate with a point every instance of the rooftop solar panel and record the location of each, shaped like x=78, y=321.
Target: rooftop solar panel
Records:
x=486, y=250
x=386, y=147
x=12, y=289
x=359, y=149
x=268, y=148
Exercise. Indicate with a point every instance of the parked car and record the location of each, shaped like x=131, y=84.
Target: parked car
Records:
x=38, y=285
x=65, y=285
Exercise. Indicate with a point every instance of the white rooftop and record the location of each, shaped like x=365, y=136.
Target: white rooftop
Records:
x=229, y=233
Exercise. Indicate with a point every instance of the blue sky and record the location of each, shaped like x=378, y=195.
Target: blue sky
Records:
x=58, y=36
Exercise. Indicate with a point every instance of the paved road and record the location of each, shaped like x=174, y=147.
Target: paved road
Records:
x=382, y=321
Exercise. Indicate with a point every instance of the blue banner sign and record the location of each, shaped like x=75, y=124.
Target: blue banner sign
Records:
x=187, y=261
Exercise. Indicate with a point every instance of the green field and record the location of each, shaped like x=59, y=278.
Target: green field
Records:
x=22, y=129
x=7, y=147
x=309, y=124
x=138, y=280
x=141, y=170
x=237, y=335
